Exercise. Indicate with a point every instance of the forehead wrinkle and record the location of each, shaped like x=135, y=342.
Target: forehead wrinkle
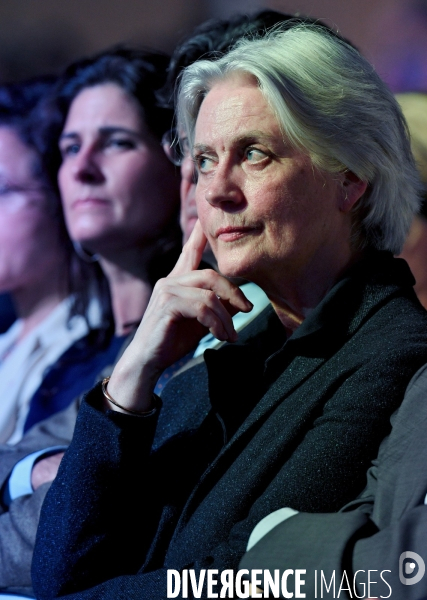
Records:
x=249, y=137
x=230, y=109
x=255, y=135
x=238, y=118
x=201, y=148
x=236, y=111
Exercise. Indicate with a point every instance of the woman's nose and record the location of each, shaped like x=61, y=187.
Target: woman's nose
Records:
x=224, y=190
x=87, y=168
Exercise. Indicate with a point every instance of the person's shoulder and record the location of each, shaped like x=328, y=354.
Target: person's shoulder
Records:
x=413, y=409
x=401, y=318
x=391, y=305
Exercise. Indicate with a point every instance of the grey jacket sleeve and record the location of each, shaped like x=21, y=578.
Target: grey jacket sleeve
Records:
x=347, y=549
x=54, y=431
x=18, y=527
x=19, y=521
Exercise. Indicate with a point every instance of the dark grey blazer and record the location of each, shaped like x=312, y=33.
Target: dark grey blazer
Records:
x=257, y=426
x=372, y=532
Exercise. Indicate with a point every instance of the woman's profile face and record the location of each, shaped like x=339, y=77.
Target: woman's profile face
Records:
x=265, y=208
x=30, y=244
x=117, y=186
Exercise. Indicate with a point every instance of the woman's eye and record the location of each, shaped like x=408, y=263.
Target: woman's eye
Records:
x=255, y=155
x=120, y=143
x=69, y=149
x=204, y=164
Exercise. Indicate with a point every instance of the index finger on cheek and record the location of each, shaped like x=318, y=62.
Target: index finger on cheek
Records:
x=192, y=252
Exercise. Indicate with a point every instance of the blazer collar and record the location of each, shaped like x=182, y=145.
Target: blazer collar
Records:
x=356, y=295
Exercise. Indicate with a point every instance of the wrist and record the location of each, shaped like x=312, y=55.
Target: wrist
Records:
x=131, y=389
x=112, y=404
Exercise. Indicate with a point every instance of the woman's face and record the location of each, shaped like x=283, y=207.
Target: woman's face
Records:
x=117, y=186
x=266, y=210
x=30, y=244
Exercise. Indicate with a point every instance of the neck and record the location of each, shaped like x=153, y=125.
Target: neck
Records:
x=289, y=318
x=296, y=299
x=35, y=302
x=130, y=292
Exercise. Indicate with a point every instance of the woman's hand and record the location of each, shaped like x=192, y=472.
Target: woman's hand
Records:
x=45, y=470
x=182, y=308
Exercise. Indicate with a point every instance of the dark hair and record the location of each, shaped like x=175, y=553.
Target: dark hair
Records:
x=17, y=100
x=215, y=37
x=18, y=103
x=140, y=73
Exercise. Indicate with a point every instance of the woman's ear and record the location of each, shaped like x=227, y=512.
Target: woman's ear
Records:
x=353, y=189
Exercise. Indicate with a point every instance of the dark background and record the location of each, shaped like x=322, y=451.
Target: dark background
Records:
x=40, y=36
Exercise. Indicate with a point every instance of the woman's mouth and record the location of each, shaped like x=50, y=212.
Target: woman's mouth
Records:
x=90, y=202
x=232, y=234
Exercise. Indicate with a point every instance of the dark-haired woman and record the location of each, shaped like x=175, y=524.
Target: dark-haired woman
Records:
x=119, y=191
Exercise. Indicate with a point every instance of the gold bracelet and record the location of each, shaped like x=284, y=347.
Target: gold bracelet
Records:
x=140, y=413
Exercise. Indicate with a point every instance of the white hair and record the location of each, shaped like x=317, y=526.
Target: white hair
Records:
x=331, y=104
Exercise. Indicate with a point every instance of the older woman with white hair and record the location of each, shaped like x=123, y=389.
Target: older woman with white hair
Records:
x=306, y=186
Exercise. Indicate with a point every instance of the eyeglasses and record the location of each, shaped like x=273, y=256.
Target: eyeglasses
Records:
x=176, y=148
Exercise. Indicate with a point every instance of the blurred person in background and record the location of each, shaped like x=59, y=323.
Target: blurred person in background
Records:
x=37, y=267
x=307, y=192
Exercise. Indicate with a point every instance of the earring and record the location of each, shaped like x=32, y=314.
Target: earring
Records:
x=84, y=254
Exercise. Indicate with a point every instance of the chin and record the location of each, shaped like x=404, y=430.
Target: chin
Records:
x=237, y=259
x=88, y=229
x=234, y=269
x=93, y=235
